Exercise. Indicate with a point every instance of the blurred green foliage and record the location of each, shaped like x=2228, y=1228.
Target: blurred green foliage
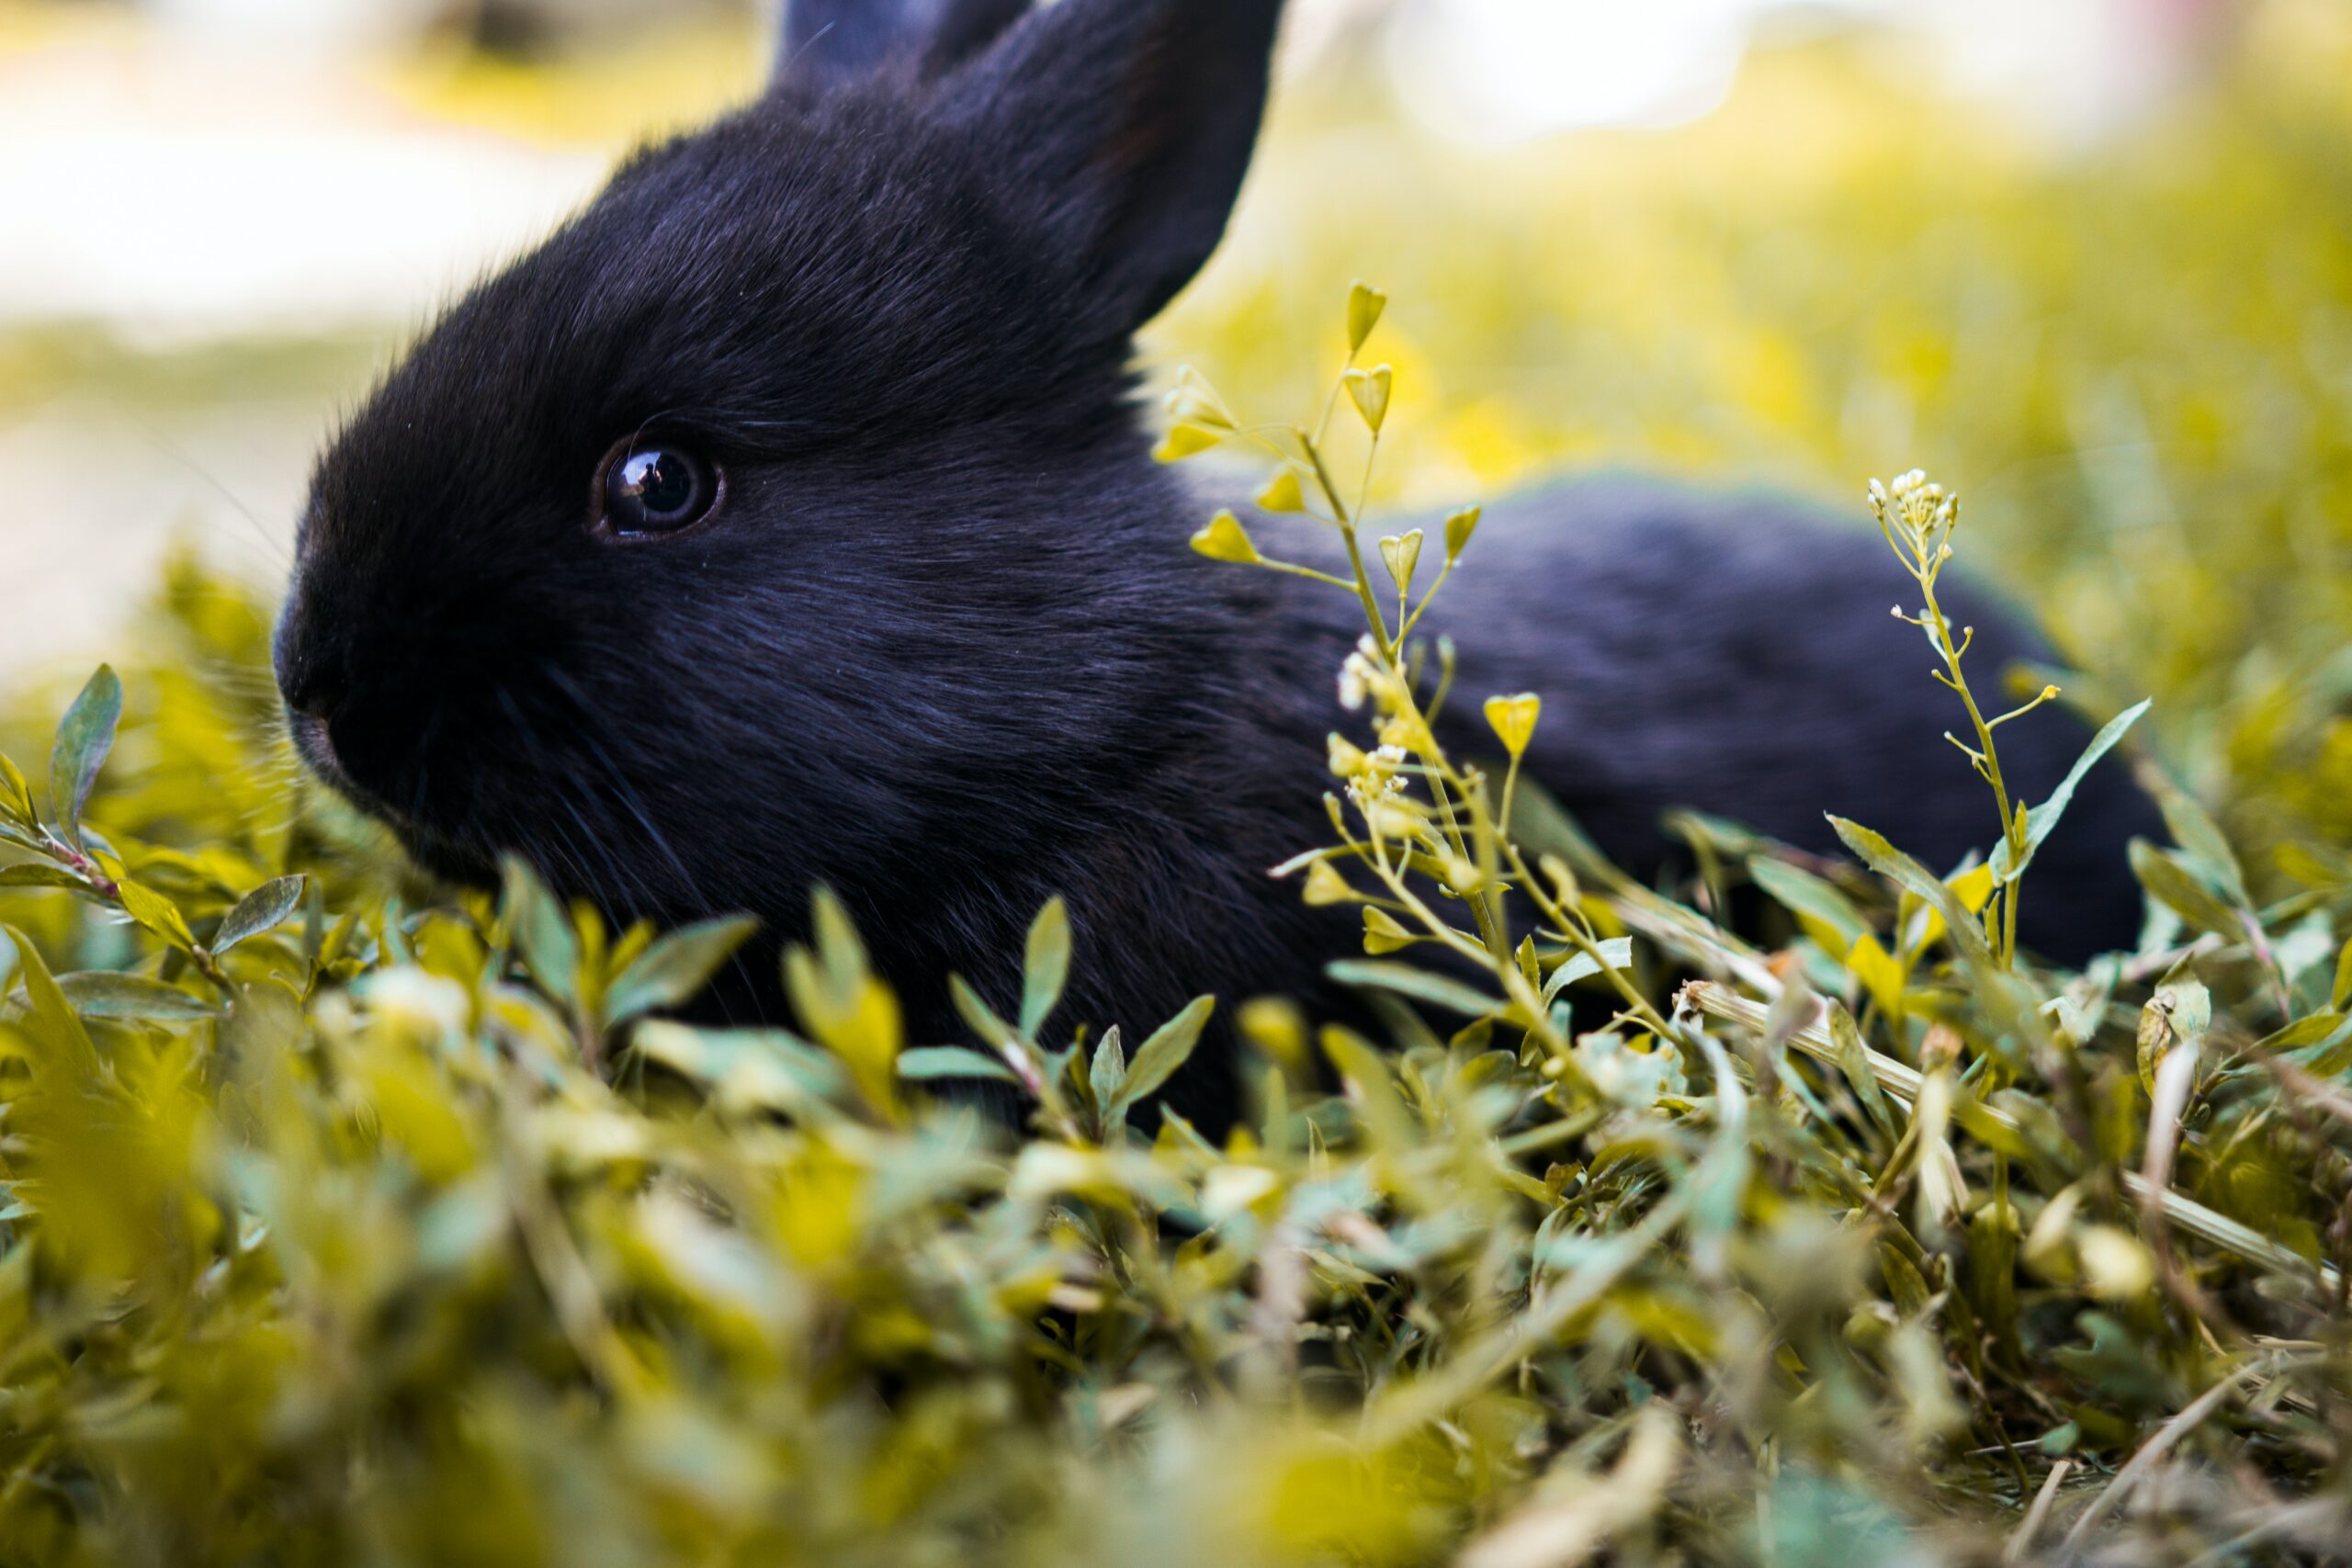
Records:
x=2131, y=354
x=342, y=1221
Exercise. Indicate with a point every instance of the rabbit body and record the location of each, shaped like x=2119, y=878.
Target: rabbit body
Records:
x=921, y=624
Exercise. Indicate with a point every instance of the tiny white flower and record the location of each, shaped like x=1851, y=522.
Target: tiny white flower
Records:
x=1351, y=684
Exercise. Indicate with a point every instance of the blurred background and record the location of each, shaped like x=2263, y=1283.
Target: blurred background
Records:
x=2088, y=261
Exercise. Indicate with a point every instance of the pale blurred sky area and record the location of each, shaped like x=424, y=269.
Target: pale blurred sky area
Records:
x=221, y=166
x=212, y=175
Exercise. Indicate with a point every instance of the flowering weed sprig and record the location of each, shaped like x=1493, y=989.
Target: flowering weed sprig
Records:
x=1918, y=518
x=1426, y=826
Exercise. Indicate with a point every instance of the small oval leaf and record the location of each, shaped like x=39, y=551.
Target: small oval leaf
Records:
x=1406, y=981
x=675, y=970
x=83, y=739
x=38, y=876
x=106, y=994
x=926, y=1062
x=540, y=929
x=264, y=907
x=1109, y=1069
x=16, y=795
x=157, y=913
x=1170, y=1047
x=1046, y=967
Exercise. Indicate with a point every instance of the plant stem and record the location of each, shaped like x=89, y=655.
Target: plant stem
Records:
x=2005, y=938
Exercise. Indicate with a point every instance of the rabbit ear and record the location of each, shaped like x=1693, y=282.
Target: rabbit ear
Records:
x=829, y=43
x=1120, y=131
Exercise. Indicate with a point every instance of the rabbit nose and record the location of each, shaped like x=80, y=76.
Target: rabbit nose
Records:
x=316, y=683
x=316, y=699
x=315, y=686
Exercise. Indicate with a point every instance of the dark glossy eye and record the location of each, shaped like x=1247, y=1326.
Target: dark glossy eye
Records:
x=648, y=488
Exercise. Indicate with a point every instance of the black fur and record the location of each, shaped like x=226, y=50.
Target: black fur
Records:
x=828, y=43
x=943, y=647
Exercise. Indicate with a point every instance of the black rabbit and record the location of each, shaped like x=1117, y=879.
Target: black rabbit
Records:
x=788, y=517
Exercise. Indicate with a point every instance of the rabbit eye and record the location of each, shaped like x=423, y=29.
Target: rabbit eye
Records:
x=647, y=490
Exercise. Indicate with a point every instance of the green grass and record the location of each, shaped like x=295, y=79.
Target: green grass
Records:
x=344, y=1220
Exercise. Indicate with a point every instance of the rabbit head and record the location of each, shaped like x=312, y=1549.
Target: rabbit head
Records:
x=786, y=516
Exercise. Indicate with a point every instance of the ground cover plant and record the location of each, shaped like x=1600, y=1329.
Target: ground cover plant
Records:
x=342, y=1227
x=1783, y=1214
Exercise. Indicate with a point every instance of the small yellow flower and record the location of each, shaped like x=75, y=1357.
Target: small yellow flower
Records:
x=1187, y=440
x=1458, y=529
x=1366, y=304
x=1513, y=719
x=1918, y=516
x=1402, y=552
x=1327, y=887
x=1370, y=390
x=1224, y=540
x=1195, y=401
x=1283, y=492
x=1383, y=934
x=1405, y=730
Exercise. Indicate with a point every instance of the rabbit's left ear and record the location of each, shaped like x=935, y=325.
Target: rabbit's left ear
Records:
x=829, y=43
x=1118, y=132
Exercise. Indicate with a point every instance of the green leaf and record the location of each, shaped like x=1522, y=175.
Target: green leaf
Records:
x=1419, y=984
x=840, y=952
x=1046, y=968
x=1967, y=936
x=262, y=910
x=1376, y=1098
x=765, y=1068
x=1803, y=893
x=2178, y=1014
x=83, y=741
x=952, y=1062
x=2200, y=840
x=844, y=1005
x=1617, y=953
x=675, y=970
x=1854, y=1061
x=2040, y=820
x=2314, y=1029
x=32, y=874
x=16, y=795
x=977, y=1016
x=2171, y=884
x=2341, y=993
x=54, y=1021
x=1109, y=1069
x=1170, y=1047
x=105, y=993
x=540, y=929
x=157, y=913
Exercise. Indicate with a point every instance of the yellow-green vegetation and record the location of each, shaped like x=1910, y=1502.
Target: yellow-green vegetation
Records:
x=346, y=1221
x=343, y=1229
x=2130, y=356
